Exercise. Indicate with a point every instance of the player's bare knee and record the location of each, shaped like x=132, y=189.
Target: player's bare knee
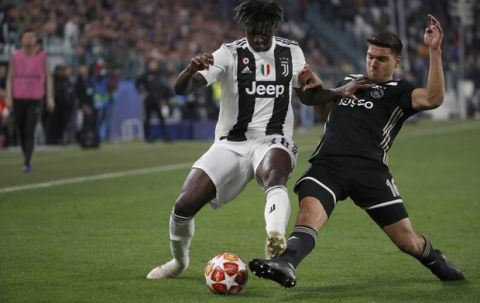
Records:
x=183, y=206
x=189, y=202
x=182, y=210
x=274, y=177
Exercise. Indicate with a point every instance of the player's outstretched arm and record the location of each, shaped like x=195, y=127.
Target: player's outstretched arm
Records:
x=313, y=92
x=189, y=80
x=432, y=96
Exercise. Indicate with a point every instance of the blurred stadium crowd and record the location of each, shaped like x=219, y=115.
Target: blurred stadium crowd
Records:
x=114, y=39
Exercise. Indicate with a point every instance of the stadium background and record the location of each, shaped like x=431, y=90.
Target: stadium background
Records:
x=87, y=225
x=117, y=37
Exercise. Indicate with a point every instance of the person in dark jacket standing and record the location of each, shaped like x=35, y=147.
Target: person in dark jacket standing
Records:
x=155, y=94
x=64, y=100
x=87, y=135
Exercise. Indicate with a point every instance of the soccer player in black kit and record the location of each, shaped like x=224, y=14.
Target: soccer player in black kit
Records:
x=351, y=159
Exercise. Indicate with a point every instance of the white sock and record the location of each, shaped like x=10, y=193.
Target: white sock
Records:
x=277, y=209
x=181, y=234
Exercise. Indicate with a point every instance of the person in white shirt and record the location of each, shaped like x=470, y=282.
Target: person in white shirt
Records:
x=253, y=136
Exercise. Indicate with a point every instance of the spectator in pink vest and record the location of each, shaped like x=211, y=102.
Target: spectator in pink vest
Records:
x=28, y=76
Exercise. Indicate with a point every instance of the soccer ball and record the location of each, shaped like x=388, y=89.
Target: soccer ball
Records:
x=226, y=274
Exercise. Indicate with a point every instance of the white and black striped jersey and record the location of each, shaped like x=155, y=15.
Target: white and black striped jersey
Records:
x=366, y=127
x=256, y=88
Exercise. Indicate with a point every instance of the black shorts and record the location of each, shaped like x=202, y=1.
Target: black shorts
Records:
x=368, y=183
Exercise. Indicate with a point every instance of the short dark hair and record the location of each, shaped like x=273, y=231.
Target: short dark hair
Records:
x=388, y=40
x=28, y=30
x=252, y=12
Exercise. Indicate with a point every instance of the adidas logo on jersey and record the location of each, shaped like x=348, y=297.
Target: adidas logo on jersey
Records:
x=266, y=90
x=246, y=70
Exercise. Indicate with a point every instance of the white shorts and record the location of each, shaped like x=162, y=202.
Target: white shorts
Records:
x=231, y=165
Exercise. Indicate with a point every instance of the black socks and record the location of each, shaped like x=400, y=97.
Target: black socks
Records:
x=300, y=243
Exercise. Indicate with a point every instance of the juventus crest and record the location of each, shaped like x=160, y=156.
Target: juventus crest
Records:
x=284, y=64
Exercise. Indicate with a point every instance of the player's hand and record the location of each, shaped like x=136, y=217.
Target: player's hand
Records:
x=50, y=106
x=308, y=79
x=349, y=89
x=433, y=34
x=200, y=62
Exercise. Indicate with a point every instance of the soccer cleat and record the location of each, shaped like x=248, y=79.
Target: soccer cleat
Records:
x=275, y=270
x=444, y=269
x=168, y=270
x=275, y=244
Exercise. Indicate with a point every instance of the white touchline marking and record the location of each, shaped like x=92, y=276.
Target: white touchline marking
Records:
x=96, y=177
x=425, y=132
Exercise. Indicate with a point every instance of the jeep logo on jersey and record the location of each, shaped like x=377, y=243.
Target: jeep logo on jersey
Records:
x=265, y=89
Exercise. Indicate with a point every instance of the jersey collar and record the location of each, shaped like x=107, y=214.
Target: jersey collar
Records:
x=269, y=51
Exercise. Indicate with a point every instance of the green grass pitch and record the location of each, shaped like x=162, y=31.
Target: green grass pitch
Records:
x=95, y=240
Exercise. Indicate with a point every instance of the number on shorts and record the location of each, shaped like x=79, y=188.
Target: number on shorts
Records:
x=285, y=143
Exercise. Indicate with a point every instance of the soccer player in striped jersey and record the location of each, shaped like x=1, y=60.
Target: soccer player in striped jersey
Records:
x=253, y=136
x=351, y=159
